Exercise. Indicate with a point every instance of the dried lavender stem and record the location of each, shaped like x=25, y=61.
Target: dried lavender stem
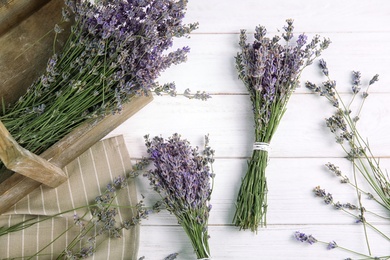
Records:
x=252, y=196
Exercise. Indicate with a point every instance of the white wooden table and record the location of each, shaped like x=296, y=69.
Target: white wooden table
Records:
x=360, y=35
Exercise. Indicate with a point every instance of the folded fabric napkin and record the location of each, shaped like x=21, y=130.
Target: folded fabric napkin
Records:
x=89, y=175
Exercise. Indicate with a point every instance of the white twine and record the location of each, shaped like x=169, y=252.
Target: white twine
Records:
x=261, y=146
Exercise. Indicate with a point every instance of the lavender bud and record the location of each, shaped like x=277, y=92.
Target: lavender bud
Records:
x=58, y=29
x=323, y=67
x=331, y=245
x=374, y=79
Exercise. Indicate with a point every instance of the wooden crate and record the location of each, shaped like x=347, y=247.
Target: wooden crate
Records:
x=25, y=48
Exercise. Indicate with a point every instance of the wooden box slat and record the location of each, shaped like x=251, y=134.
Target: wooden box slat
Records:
x=22, y=161
x=74, y=144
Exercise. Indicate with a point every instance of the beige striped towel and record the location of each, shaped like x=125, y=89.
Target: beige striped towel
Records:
x=88, y=176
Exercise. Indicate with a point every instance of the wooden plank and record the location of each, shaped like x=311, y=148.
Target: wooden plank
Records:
x=24, y=162
x=13, y=12
x=274, y=242
x=210, y=65
x=228, y=119
x=26, y=48
x=228, y=16
x=17, y=186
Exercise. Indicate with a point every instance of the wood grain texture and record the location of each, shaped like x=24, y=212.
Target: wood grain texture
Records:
x=302, y=145
x=211, y=67
x=13, y=12
x=26, y=48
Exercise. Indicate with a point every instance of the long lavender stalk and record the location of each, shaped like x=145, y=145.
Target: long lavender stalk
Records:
x=183, y=178
x=270, y=72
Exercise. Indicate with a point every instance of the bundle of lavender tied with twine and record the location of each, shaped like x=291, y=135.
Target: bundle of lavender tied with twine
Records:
x=115, y=51
x=270, y=72
x=184, y=179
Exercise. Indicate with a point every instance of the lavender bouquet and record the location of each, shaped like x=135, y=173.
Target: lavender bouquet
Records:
x=270, y=72
x=115, y=51
x=182, y=177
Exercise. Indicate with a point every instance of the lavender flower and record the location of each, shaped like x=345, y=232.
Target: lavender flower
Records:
x=302, y=237
x=331, y=245
x=270, y=71
x=356, y=75
x=328, y=198
x=374, y=79
x=182, y=177
x=323, y=67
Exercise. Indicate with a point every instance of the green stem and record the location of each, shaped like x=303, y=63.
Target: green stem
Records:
x=197, y=233
x=251, y=205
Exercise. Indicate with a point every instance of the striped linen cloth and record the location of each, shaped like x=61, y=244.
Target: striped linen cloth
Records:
x=88, y=176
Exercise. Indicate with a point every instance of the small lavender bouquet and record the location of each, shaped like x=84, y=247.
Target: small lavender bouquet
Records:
x=183, y=178
x=270, y=72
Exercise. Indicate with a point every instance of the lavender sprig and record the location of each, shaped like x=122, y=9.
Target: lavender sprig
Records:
x=183, y=177
x=309, y=239
x=270, y=71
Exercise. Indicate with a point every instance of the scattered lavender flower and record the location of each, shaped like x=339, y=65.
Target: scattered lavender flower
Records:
x=374, y=79
x=323, y=67
x=332, y=245
x=335, y=169
x=356, y=75
x=182, y=177
x=328, y=198
x=270, y=71
x=302, y=237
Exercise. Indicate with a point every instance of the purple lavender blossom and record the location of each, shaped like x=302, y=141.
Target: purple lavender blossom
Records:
x=323, y=67
x=374, y=79
x=180, y=171
x=331, y=245
x=356, y=75
x=302, y=237
x=182, y=176
x=139, y=33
